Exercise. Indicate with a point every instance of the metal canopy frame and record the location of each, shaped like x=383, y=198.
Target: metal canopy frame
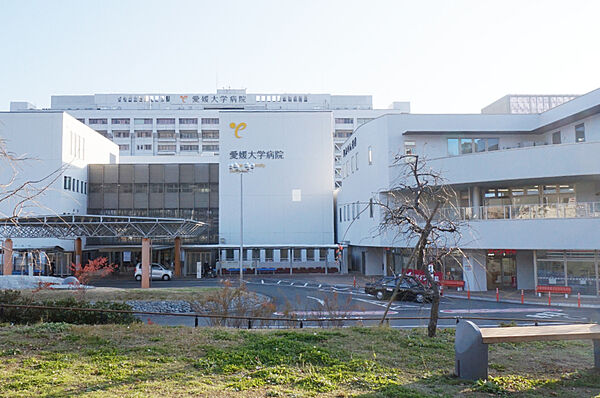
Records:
x=96, y=226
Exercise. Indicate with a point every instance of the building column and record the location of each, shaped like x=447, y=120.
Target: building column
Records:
x=145, y=263
x=385, y=266
x=476, y=201
x=178, y=256
x=7, y=251
x=78, y=253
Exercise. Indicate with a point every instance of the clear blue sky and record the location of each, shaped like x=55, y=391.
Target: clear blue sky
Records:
x=443, y=56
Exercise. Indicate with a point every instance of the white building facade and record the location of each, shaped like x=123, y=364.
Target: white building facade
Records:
x=528, y=189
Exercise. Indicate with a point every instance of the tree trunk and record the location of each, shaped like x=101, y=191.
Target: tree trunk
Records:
x=435, y=310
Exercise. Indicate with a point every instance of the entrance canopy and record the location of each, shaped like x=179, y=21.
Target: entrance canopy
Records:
x=95, y=226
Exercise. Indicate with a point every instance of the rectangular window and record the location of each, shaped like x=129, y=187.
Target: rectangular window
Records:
x=120, y=121
x=172, y=188
x=255, y=254
x=165, y=121
x=370, y=155
x=142, y=121
x=466, y=146
x=310, y=254
x=67, y=183
x=323, y=254
x=580, y=133
x=187, y=148
x=493, y=144
x=188, y=134
x=371, y=207
x=85, y=187
x=98, y=121
x=268, y=254
x=344, y=120
x=141, y=188
x=229, y=254
x=409, y=147
x=352, y=164
x=156, y=188
x=143, y=134
x=297, y=254
x=340, y=211
x=123, y=147
x=356, y=156
x=121, y=134
x=144, y=147
x=210, y=134
x=210, y=148
x=283, y=255
x=81, y=120
x=210, y=120
x=556, y=137
x=342, y=133
x=167, y=148
x=166, y=134
x=188, y=120
x=452, y=146
x=479, y=144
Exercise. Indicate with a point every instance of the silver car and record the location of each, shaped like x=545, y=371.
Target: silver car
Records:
x=158, y=272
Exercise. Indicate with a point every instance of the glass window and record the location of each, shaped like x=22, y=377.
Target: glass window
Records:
x=323, y=254
x=551, y=272
x=141, y=188
x=283, y=254
x=156, y=188
x=310, y=254
x=556, y=137
x=493, y=144
x=269, y=254
x=371, y=207
x=580, y=133
x=479, y=144
x=370, y=155
x=581, y=277
x=409, y=147
x=452, y=146
x=466, y=145
x=297, y=254
x=229, y=254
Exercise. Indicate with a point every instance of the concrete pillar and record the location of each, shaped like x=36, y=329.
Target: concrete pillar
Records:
x=145, y=263
x=7, y=250
x=178, y=256
x=78, y=253
x=476, y=201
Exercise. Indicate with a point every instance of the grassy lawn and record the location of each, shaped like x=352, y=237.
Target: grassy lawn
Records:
x=152, y=361
x=115, y=294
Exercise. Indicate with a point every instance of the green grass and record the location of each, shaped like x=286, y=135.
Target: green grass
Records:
x=54, y=360
x=115, y=294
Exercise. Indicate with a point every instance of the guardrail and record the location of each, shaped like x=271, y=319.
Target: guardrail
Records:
x=289, y=322
x=525, y=212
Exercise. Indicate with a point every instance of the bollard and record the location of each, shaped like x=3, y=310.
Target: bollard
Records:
x=249, y=323
x=497, y=295
x=442, y=290
x=522, y=297
x=469, y=294
x=196, y=322
x=457, y=319
x=549, y=298
x=578, y=300
x=354, y=283
x=301, y=325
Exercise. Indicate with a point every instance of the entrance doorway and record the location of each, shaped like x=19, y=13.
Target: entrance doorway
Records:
x=501, y=269
x=193, y=258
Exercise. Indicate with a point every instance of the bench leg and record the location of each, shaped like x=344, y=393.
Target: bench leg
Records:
x=471, y=355
x=597, y=354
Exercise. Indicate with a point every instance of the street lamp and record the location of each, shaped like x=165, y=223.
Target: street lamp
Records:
x=241, y=169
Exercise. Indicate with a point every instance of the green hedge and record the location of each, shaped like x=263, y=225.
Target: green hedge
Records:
x=32, y=315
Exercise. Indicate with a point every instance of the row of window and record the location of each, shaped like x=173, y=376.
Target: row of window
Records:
x=172, y=148
x=74, y=185
x=254, y=254
x=144, y=121
x=344, y=120
x=462, y=146
x=342, y=133
x=76, y=146
x=184, y=134
x=153, y=188
x=350, y=166
x=281, y=98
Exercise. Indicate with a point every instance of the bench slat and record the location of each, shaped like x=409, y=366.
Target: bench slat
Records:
x=540, y=333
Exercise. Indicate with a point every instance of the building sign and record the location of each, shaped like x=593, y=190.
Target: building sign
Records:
x=349, y=147
x=237, y=128
x=261, y=154
x=205, y=99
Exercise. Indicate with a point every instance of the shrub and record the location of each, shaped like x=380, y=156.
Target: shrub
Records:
x=33, y=315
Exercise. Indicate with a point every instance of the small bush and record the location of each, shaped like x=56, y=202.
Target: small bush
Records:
x=34, y=315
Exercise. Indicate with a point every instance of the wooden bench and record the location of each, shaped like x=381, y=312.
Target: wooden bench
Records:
x=471, y=343
x=452, y=283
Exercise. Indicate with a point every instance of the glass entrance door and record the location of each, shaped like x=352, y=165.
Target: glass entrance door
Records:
x=501, y=271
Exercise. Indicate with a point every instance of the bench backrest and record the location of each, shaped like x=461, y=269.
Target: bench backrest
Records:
x=540, y=333
x=553, y=289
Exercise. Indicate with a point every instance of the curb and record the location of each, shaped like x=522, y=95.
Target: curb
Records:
x=525, y=302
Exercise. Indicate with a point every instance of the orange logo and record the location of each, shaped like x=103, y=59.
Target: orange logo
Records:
x=183, y=98
x=237, y=128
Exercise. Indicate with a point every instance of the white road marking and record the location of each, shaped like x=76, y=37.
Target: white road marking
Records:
x=322, y=302
x=278, y=282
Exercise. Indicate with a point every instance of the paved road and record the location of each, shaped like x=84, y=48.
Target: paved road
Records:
x=310, y=299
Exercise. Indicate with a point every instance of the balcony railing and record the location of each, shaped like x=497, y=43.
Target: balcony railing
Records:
x=525, y=212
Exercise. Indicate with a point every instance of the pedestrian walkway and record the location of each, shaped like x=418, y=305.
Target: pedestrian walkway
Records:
x=529, y=297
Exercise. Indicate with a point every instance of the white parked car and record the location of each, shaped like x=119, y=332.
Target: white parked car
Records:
x=158, y=272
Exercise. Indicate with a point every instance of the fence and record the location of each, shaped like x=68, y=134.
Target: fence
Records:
x=283, y=322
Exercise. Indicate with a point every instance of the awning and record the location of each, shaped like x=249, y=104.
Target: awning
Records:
x=96, y=226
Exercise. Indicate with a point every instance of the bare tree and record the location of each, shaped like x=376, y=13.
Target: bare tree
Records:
x=421, y=209
x=17, y=193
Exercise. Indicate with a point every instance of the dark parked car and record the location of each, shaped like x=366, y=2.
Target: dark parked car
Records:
x=410, y=289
